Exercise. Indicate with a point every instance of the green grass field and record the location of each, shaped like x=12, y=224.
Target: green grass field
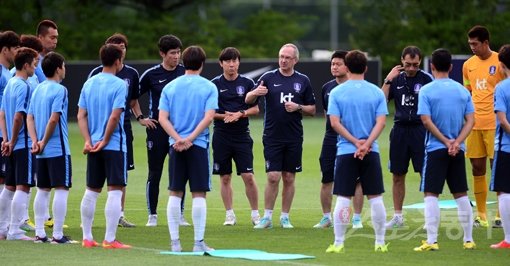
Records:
x=303, y=239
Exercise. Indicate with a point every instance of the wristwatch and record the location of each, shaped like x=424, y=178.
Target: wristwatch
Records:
x=139, y=117
x=243, y=112
x=387, y=81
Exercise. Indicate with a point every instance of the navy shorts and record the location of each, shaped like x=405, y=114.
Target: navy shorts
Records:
x=348, y=169
x=500, y=180
x=106, y=165
x=191, y=165
x=281, y=156
x=440, y=167
x=129, y=145
x=21, y=168
x=327, y=163
x=227, y=147
x=54, y=172
x=406, y=143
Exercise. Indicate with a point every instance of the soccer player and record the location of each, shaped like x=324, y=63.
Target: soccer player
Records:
x=131, y=78
x=153, y=81
x=47, y=32
x=328, y=151
x=231, y=139
x=47, y=126
x=16, y=145
x=447, y=111
x=500, y=183
x=481, y=74
x=100, y=119
x=288, y=96
x=407, y=136
x=186, y=109
x=357, y=110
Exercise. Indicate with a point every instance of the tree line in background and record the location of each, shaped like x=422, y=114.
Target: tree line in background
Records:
x=259, y=28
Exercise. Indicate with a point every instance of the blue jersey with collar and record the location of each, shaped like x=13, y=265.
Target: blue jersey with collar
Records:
x=502, y=104
x=404, y=91
x=186, y=99
x=100, y=95
x=231, y=96
x=330, y=136
x=33, y=81
x=280, y=125
x=39, y=74
x=357, y=103
x=5, y=76
x=16, y=99
x=48, y=98
x=446, y=102
x=153, y=80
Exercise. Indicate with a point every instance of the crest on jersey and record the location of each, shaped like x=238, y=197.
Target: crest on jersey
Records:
x=417, y=88
x=216, y=166
x=492, y=70
x=240, y=90
x=150, y=145
x=297, y=87
x=128, y=82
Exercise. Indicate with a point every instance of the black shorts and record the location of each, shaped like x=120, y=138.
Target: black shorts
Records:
x=192, y=165
x=54, y=172
x=106, y=165
x=227, y=147
x=129, y=144
x=348, y=169
x=282, y=156
x=500, y=179
x=3, y=163
x=21, y=168
x=440, y=167
x=327, y=162
x=406, y=143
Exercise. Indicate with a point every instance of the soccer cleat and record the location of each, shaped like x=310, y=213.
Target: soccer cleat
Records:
x=49, y=223
x=427, y=247
x=264, y=223
x=40, y=240
x=356, y=223
x=230, y=219
x=395, y=222
x=325, y=222
x=123, y=222
x=115, y=245
x=502, y=244
x=335, y=248
x=176, y=246
x=381, y=247
x=63, y=240
x=183, y=221
x=480, y=223
x=255, y=219
x=89, y=243
x=20, y=237
x=469, y=245
x=201, y=246
x=285, y=223
x=153, y=220
x=27, y=226
x=497, y=223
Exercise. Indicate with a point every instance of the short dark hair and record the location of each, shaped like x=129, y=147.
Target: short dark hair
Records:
x=9, y=39
x=412, y=51
x=230, y=53
x=193, y=57
x=479, y=32
x=24, y=55
x=441, y=59
x=31, y=41
x=169, y=42
x=339, y=54
x=51, y=62
x=504, y=55
x=109, y=53
x=44, y=26
x=356, y=62
x=117, y=38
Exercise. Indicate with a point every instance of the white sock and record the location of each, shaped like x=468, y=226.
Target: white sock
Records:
x=59, y=212
x=173, y=214
x=18, y=209
x=255, y=213
x=87, y=209
x=112, y=214
x=41, y=197
x=378, y=213
x=29, y=197
x=199, y=214
x=432, y=216
x=5, y=210
x=1, y=187
x=284, y=215
x=230, y=212
x=504, y=212
x=341, y=215
x=47, y=210
x=398, y=214
x=465, y=213
x=268, y=214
